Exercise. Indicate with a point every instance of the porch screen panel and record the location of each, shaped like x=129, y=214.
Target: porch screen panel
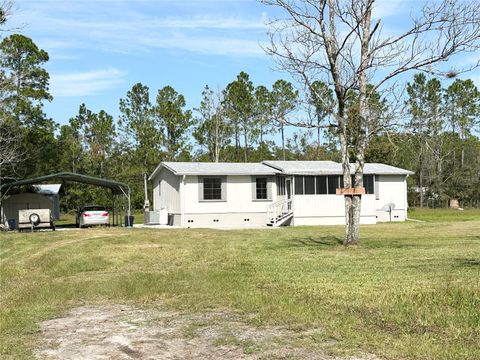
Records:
x=298, y=185
x=281, y=185
x=332, y=184
x=368, y=184
x=309, y=185
x=321, y=185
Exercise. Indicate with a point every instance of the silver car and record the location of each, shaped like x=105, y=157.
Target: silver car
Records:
x=92, y=215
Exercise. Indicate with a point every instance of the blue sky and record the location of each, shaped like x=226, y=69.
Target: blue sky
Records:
x=99, y=49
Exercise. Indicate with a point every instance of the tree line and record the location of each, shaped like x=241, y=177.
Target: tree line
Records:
x=436, y=133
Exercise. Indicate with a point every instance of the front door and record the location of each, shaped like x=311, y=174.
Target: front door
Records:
x=289, y=188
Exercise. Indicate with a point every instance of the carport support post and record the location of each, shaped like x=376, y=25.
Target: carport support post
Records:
x=113, y=209
x=127, y=195
x=129, y=202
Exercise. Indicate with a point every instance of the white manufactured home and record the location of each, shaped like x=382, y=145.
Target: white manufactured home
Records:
x=273, y=193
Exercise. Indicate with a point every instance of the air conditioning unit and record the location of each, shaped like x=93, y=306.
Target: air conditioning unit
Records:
x=156, y=217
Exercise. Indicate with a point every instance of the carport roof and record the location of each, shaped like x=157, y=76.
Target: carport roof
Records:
x=116, y=187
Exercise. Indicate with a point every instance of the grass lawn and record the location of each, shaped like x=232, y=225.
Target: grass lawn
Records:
x=409, y=291
x=444, y=215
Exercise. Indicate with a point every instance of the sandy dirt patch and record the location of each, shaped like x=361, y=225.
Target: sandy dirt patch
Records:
x=126, y=332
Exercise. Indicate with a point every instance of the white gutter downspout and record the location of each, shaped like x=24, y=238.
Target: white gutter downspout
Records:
x=182, y=201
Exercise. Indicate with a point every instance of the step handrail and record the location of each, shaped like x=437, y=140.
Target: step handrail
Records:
x=279, y=209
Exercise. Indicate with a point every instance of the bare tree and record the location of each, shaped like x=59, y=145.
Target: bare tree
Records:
x=212, y=131
x=10, y=145
x=341, y=43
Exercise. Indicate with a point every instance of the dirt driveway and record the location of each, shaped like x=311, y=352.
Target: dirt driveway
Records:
x=126, y=332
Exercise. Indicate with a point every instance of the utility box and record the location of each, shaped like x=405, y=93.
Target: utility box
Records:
x=35, y=219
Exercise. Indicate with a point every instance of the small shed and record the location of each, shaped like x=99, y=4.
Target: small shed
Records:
x=51, y=191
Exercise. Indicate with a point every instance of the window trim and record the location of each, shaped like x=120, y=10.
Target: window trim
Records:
x=223, y=188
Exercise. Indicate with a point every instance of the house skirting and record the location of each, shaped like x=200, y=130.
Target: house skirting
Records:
x=397, y=215
x=329, y=220
x=220, y=219
x=238, y=219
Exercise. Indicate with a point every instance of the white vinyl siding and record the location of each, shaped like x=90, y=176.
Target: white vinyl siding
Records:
x=166, y=193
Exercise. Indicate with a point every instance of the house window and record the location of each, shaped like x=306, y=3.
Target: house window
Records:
x=298, y=185
x=212, y=188
x=321, y=184
x=261, y=188
x=333, y=181
x=309, y=185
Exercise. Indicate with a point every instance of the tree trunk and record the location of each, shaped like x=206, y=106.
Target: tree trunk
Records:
x=283, y=140
x=216, y=145
x=347, y=183
x=237, y=142
x=353, y=225
x=318, y=140
x=261, y=140
x=420, y=183
x=245, y=137
x=353, y=206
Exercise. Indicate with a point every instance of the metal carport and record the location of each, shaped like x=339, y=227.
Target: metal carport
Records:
x=117, y=188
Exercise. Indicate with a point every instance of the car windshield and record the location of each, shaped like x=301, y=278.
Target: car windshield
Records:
x=94, y=208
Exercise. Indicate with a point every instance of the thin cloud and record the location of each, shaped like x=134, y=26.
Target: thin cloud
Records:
x=85, y=83
x=206, y=45
x=117, y=27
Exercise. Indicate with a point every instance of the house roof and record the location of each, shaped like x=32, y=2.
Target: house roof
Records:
x=383, y=169
x=331, y=168
x=306, y=167
x=272, y=168
x=205, y=168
